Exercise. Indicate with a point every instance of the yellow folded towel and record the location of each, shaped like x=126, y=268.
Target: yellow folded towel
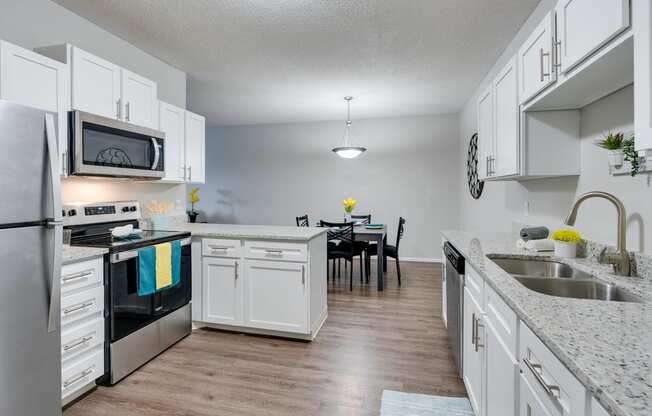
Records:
x=163, y=265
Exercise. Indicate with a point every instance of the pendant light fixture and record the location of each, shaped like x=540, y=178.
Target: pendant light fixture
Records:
x=347, y=151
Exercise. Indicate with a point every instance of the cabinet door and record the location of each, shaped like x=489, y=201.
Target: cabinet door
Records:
x=642, y=16
x=276, y=296
x=485, y=134
x=529, y=403
x=583, y=26
x=33, y=80
x=195, y=147
x=506, y=121
x=535, y=60
x=95, y=85
x=140, y=100
x=501, y=375
x=473, y=363
x=172, y=123
x=222, y=291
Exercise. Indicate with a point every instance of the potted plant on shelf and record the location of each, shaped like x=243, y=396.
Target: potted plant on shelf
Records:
x=614, y=143
x=631, y=155
x=566, y=243
x=193, y=198
x=349, y=205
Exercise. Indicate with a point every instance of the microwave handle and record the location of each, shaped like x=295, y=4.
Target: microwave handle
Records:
x=157, y=153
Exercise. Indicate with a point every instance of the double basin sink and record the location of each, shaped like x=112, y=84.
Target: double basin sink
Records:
x=558, y=279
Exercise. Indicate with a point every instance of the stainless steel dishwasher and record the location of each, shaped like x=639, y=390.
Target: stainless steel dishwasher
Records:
x=455, y=301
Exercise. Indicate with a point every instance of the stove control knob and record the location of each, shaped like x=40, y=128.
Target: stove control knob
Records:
x=125, y=209
x=72, y=212
x=132, y=208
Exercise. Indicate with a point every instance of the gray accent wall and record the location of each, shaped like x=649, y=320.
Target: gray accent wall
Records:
x=269, y=174
x=549, y=200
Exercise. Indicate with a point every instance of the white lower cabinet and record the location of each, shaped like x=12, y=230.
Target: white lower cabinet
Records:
x=530, y=404
x=474, y=357
x=277, y=295
x=501, y=375
x=262, y=286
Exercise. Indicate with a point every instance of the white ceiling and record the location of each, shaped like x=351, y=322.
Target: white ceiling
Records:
x=274, y=61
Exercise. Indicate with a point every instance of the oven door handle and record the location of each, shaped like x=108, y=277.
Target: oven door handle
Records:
x=157, y=153
x=128, y=255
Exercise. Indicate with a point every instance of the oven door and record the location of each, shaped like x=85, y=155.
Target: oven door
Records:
x=107, y=147
x=129, y=312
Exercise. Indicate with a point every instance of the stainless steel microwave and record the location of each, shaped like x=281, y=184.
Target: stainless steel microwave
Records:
x=101, y=146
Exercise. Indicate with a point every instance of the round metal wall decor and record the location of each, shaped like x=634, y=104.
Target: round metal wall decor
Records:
x=475, y=184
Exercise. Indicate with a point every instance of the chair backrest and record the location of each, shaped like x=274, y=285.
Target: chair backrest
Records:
x=302, y=221
x=365, y=219
x=401, y=230
x=339, y=231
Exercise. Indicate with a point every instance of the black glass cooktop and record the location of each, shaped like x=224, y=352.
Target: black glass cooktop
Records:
x=100, y=236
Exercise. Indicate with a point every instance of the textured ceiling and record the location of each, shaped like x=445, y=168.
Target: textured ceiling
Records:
x=272, y=61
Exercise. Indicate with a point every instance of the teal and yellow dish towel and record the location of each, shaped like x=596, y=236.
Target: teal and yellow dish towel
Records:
x=159, y=267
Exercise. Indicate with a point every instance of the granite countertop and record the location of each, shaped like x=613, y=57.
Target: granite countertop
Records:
x=606, y=345
x=74, y=254
x=263, y=232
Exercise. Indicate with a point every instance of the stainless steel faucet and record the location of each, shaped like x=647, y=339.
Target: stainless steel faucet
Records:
x=620, y=260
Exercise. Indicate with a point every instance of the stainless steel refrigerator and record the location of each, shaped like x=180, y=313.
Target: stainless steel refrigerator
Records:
x=30, y=263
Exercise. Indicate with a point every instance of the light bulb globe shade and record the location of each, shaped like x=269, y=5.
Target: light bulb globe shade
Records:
x=349, y=152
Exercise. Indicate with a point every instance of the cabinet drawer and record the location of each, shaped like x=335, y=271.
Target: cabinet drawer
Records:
x=80, y=374
x=273, y=250
x=503, y=320
x=81, y=275
x=221, y=248
x=475, y=283
x=81, y=339
x=553, y=384
x=82, y=306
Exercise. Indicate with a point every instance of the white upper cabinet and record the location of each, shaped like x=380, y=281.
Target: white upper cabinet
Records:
x=506, y=121
x=139, y=100
x=536, y=60
x=172, y=123
x=95, y=85
x=34, y=80
x=584, y=26
x=485, y=134
x=195, y=147
x=642, y=15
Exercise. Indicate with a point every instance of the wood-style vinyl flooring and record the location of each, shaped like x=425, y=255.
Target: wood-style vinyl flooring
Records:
x=371, y=341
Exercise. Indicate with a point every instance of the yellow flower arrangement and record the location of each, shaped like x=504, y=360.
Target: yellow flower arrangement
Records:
x=349, y=204
x=568, y=236
x=193, y=198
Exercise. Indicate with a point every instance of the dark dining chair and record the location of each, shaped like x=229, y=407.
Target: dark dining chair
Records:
x=342, y=247
x=302, y=221
x=364, y=220
x=389, y=250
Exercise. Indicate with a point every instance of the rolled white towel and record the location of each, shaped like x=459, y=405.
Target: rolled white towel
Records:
x=540, y=245
x=123, y=231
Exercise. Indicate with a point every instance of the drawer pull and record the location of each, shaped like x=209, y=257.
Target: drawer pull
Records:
x=303, y=274
x=76, y=276
x=221, y=248
x=83, y=306
x=537, y=370
x=478, y=325
x=235, y=270
x=77, y=378
x=76, y=344
x=273, y=251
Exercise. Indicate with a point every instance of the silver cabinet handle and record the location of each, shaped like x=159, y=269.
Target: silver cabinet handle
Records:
x=491, y=165
x=83, y=306
x=77, y=276
x=487, y=166
x=76, y=344
x=478, y=325
x=537, y=370
x=190, y=173
x=212, y=247
x=473, y=329
x=273, y=251
x=77, y=378
x=235, y=270
x=303, y=274
x=118, y=111
x=541, y=55
x=64, y=163
x=557, y=54
x=127, y=110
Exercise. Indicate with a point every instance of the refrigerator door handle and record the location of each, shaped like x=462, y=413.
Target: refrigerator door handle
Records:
x=53, y=153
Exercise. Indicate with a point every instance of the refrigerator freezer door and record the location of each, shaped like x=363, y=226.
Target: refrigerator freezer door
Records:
x=30, y=360
x=25, y=178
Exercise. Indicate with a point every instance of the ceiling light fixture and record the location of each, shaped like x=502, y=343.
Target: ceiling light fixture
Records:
x=347, y=151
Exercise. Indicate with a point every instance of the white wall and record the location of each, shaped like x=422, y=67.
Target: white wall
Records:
x=269, y=174
x=32, y=23
x=550, y=199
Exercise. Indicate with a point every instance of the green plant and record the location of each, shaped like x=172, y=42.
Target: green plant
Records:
x=612, y=141
x=631, y=155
